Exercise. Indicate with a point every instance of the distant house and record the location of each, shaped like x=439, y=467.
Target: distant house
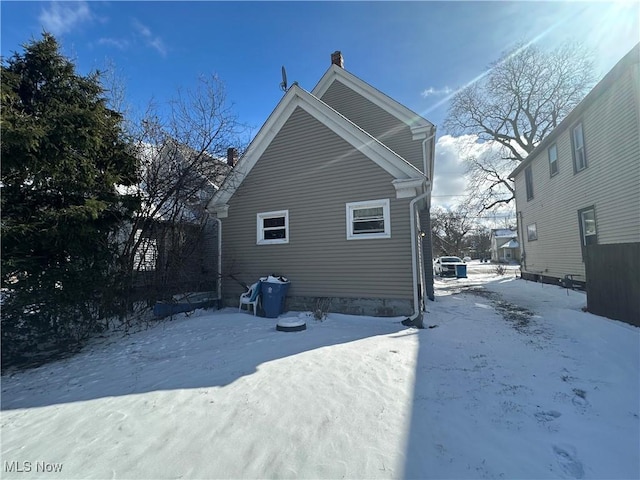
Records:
x=333, y=193
x=505, y=247
x=580, y=187
x=172, y=242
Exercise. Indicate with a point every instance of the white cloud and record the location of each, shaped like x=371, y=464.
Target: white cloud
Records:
x=62, y=17
x=436, y=92
x=449, y=181
x=114, y=42
x=150, y=39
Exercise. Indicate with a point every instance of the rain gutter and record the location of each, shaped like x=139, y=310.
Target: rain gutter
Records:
x=219, y=266
x=415, y=319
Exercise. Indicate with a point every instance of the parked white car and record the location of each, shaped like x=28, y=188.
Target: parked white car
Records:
x=446, y=265
x=466, y=259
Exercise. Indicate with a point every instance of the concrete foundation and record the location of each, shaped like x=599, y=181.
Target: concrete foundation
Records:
x=375, y=307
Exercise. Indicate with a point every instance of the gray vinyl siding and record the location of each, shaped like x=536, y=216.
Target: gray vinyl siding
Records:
x=311, y=172
x=610, y=183
x=375, y=121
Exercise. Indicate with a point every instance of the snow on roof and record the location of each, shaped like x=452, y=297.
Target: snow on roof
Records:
x=504, y=232
x=511, y=244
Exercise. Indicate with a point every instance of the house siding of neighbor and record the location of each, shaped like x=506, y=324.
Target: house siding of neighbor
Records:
x=584, y=180
x=315, y=171
x=505, y=246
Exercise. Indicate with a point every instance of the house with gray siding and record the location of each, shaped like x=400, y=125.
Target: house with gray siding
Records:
x=581, y=185
x=333, y=193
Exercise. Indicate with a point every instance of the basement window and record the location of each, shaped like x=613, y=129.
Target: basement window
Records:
x=369, y=219
x=273, y=227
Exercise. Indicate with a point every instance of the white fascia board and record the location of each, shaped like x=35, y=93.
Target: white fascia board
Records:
x=379, y=153
x=402, y=113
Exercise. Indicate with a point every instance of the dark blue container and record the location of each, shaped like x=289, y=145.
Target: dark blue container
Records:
x=461, y=271
x=273, y=295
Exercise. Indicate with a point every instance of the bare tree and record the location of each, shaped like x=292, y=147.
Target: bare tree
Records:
x=182, y=154
x=524, y=96
x=449, y=229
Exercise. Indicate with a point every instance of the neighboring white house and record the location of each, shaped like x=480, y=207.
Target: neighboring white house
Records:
x=504, y=245
x=581, y=185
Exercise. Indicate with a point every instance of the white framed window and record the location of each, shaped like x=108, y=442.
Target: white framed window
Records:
x=588, y=229
x=579, y=153
x=553, y=159
x=528, y=180
x=370, y=219
x=272, y=227
x=532, y=232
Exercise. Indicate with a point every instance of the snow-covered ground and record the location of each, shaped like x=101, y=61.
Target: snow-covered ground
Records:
x=512, y=380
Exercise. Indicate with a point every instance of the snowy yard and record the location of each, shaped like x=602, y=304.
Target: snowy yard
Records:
x=512, y=381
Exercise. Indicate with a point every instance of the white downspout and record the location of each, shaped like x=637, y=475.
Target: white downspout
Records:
x=416, y=318
x=219, y=282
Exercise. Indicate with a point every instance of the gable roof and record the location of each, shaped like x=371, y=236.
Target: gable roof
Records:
x=406, y=175
x=632, y=57
x=418, y=124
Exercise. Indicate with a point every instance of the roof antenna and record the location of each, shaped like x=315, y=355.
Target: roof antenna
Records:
x=283, y=85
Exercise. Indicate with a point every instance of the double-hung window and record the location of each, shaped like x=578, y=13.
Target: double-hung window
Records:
x=588, y=229
x=370, y=219
x=528, y=179
x=579, y=152
x=273, y=227
x=553, y=159
x=532, y=232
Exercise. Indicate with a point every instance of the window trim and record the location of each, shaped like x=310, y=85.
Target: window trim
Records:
x=260, y=217
x=528, y=182
x=574, y=151
x=147, y=254
x=532, y=233
x=554, y=162
x=583, y=237
x=386, y=214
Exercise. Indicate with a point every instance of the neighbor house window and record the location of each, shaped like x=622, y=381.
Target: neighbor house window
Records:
x=528, y=179
x=579, y=153
x=532, y=232
x=370, y=219
x=588, y=229
x=146, y=255
x=553, y=159
x=273, y=227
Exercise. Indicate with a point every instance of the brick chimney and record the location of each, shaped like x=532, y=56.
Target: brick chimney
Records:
x=232, y=155
x=336, y=59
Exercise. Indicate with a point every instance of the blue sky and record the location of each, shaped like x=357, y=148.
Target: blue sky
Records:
x=415, y=52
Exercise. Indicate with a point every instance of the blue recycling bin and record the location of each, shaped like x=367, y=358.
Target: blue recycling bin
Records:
x=273, y=291
x=461, y=271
